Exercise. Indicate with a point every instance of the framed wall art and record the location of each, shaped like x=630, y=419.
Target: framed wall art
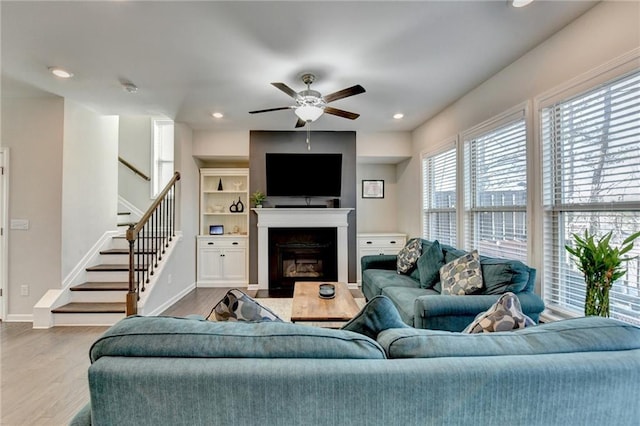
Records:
x=373, y=189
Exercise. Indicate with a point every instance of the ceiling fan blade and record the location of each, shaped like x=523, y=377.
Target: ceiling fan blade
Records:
x=341, y=113
x=350, y=91
x=270, y=109
x=286, y=89
x=300, y=123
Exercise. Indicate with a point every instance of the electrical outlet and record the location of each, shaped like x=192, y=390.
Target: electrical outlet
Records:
x=24, y=290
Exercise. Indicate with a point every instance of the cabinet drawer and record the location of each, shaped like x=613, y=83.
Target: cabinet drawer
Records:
x=381, y=242
x=222, y=242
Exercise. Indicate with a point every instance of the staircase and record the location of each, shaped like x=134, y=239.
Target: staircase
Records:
x=101, y=299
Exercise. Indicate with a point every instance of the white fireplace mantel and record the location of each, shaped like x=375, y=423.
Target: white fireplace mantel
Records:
x=301, y=218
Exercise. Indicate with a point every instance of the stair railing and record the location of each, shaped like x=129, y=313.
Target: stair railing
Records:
x=148, y=240
x=134, y=169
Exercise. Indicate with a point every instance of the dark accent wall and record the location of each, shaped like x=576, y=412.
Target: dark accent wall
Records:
x=263, y=142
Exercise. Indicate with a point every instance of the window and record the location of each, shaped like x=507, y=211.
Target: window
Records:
x=495, y=187
x=162, y=155
x=591, y=181
x=439, y=197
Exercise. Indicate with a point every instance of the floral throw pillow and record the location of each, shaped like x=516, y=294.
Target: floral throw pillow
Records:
x=237, y=306
x=504, y=315
x=408, y=256
x=462, y=275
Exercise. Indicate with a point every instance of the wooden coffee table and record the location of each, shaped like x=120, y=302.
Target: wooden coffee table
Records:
x=309, y=306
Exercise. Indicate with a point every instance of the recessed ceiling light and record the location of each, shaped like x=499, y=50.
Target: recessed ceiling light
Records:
x=398, y=116
x=217, y=115
x=521, y=3
x=60, y=72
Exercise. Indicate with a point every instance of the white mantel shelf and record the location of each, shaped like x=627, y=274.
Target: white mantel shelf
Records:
x=301, y=218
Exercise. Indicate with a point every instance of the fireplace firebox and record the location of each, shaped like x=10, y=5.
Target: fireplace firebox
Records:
x=301, y=254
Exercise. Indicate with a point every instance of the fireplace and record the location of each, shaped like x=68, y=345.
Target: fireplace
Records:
x=301, y=254
x=333, y=219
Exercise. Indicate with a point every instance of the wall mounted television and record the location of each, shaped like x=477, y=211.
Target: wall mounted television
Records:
x=304, y=175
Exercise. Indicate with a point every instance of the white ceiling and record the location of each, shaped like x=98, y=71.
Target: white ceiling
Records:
x=190, y=59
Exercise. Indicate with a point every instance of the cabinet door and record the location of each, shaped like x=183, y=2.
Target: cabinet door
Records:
x=210, y=264
x=234, y=262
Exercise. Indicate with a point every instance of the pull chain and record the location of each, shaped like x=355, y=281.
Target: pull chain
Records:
x=308, y=136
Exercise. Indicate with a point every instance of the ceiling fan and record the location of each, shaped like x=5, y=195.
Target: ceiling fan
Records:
x=310, y=104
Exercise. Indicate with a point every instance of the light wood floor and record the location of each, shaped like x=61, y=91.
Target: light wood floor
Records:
x=43, y=373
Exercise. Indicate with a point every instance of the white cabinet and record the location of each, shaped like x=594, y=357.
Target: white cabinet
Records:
x=222, y=261
x=222, y=258
x=378, y=243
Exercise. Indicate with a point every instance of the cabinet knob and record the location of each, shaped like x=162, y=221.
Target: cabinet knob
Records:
x=210, y=243
x=235, y=243
x=369, y=242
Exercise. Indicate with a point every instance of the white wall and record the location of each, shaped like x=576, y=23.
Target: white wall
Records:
x=89, y=181
x=32, y=128
x=134, y=146
x=377, y=214
x=605, y=32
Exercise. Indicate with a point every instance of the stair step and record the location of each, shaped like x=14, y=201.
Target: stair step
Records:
x=114, y=267
x=126, y=251
x=96, y=308
x=101, y=286
x=127, y=224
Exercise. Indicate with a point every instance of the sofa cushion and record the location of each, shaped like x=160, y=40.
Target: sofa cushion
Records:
x=429, y=264
x=378, y=314
x=404, y=298
x=504, y=315
x=501, y=275
x=138, y=336
x=585, y=334
x=238, y=306
x=378, y=279
x=408, y=256
x=462, y=275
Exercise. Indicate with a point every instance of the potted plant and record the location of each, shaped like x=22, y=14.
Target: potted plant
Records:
x=257, y=198
x=601, y=265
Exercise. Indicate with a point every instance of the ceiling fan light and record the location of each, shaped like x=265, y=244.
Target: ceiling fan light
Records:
x=309, y=112
x=521, y=3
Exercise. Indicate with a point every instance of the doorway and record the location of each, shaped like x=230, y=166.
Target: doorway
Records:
x=4, y=191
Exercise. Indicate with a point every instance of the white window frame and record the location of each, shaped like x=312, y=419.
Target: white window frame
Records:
x=469, y=209
x=450, y=146
x=608, y=72
x=157, y=184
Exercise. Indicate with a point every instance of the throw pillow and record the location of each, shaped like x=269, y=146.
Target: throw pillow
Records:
x=504, y=315
x=429, y=265
x=408, y=256
x=238, y=306
x=462, y=275
x=377, y=315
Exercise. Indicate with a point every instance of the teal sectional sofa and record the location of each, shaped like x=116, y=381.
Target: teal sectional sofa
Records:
x=423, y=306
x=178, y=371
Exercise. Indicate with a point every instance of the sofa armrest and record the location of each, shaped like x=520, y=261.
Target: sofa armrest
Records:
x=379, y=261
x=453, y=313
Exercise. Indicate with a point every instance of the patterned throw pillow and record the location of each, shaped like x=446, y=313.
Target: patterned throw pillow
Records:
x=237, y=306
x=408, y=256
x=462, y=275
x=504, y=315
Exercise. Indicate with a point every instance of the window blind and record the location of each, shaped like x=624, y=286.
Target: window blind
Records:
x=495, y=163
x=439, y=197
x=591, y=181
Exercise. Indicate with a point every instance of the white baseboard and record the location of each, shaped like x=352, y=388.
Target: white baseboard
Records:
x=166, y=305
x=19, y=318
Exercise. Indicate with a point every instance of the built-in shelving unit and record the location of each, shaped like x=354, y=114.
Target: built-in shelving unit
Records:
x=224, y=227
